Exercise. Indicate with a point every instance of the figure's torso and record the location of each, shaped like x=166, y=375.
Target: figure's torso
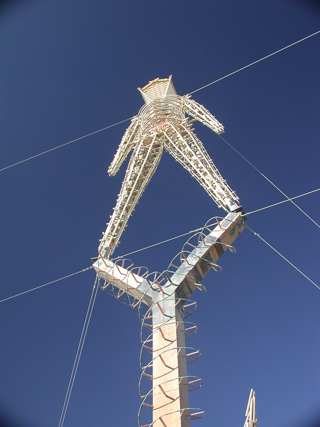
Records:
x=156, y=116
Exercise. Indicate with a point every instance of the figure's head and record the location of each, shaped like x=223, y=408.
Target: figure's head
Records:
x=157, y=88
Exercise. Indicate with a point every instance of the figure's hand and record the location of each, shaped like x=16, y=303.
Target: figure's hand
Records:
x=199, y=112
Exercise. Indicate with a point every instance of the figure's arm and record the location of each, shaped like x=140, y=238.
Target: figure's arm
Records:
x=199, y=112
x=127, y=142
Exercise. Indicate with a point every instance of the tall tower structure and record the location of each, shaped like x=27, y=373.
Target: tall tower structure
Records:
x=163, y=299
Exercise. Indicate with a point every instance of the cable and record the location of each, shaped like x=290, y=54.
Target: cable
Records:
x=283, y=257
x=157, y=244
x=114, y=259
x=255, y=62
x=283, y=201
x=274, y=185
x=46, y=284
x=63, y=145
x=123, y=121
x=153, y=245
x=199, y=229
x=79, y=351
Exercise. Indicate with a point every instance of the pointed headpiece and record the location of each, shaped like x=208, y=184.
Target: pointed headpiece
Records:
x=157, y=88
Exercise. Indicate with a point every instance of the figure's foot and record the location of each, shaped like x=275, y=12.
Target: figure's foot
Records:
x=106, y=253
x=239, y=209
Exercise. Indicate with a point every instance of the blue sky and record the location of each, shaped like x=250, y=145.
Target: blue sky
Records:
x=70, y=68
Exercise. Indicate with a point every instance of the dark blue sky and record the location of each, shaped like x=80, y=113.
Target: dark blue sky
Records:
x=69, y=68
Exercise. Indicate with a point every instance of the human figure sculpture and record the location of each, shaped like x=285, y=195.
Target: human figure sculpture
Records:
x=162, y=124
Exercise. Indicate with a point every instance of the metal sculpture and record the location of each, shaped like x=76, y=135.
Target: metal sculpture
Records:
x=162, y=124
x=163, y=299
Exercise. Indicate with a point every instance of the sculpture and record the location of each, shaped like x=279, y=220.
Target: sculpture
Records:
x=162, y=124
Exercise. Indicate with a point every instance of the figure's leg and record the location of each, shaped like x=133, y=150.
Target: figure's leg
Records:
x=143, y=163
x=189, y=151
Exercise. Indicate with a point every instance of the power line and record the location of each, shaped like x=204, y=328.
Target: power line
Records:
x=283, y=201
x=255, y=62
x=269, y=180
x=79, y=351
x=63, y=145
x=283, y=257
x=46, y=284
x=123, y=121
